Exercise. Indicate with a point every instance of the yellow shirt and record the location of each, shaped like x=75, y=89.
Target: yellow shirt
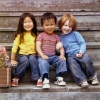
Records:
x=27, y=47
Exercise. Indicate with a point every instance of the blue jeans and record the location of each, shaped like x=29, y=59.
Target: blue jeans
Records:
x=25, y=61
x=59, y=64
x=81, y=68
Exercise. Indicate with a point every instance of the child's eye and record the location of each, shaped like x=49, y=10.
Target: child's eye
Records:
x=28, y=22
x=65, y=25
x=52, y=24
x=25, y=22
x=46, y=25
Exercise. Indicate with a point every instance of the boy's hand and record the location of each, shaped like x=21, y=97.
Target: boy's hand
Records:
x=62, y=57
x=44, y=57
x=14, y=63
x=79, y=55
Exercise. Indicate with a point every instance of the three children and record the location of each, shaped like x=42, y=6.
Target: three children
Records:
x=27, y=43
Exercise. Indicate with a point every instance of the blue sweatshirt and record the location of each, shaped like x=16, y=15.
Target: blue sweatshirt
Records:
x=73, y=43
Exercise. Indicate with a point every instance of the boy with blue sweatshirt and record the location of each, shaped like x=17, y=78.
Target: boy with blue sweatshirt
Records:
x=80, y=64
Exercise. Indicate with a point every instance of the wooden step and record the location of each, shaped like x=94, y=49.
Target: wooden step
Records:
x=93, y=50
x=69, y=92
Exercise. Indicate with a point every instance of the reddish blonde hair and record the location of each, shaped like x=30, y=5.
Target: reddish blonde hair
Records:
x=66, y=17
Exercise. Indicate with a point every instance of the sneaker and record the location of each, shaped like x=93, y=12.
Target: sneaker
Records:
x=39, y=82
x=46, y=84
x=84, y=84
x=60, y=81
x=14, y=82
x=95, y=81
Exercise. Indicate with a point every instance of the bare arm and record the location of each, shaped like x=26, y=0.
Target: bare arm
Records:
x=39, y=50
x=13, y=59
x=62, y=53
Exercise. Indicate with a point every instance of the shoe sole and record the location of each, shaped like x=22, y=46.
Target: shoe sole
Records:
x=39, y=85
x=14, y=85
x=94, y=83
x=60, y=84
x=46, y=87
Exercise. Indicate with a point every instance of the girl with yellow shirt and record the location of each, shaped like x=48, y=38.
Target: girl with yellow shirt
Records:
x=24, y=44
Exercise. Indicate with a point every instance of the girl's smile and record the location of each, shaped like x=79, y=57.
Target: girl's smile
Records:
x=28, y=24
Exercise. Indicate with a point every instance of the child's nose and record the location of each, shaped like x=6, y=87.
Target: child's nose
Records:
x=67, y=27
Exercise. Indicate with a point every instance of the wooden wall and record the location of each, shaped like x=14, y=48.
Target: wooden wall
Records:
x=87, y=13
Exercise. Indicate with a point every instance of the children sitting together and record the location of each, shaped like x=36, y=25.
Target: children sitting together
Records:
x=38, y=51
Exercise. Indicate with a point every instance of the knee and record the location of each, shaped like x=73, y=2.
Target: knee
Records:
x=24, y=60
x=73, y=64
x=43, y=62
x=32, y=58
x=61, y=61
x=87, y=61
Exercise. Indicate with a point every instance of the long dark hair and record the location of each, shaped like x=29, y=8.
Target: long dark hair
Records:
x=20, y=28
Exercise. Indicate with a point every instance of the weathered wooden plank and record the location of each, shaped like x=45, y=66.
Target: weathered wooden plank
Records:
x=94, y=54
x=9, y=22
x=58, y=13
x=84, y=22
x=49, y=5
x=7, y=37
x=89, y=36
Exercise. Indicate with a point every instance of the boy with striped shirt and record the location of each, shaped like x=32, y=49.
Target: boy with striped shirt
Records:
x=46, y=47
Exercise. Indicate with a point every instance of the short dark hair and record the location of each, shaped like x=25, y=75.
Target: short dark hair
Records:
x=47, y=16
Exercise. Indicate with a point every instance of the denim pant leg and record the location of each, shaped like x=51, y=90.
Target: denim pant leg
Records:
x=43, y=66
x=33, y=62
x=76, y=71
x=60, y=64
x=87, y=66
x=20, y=69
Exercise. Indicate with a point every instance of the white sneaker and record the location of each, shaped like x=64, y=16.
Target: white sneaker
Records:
x=95, y=81
x=46, y=84
x=84, y=84
x=60, y=81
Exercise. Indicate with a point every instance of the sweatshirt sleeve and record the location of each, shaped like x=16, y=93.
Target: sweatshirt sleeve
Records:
x=81, y=42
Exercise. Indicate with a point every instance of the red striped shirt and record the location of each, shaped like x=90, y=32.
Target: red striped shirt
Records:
x=48, y=43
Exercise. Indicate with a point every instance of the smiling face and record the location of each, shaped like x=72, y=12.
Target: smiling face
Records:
x=49, y=26
x=66, y=28
x=28, y=24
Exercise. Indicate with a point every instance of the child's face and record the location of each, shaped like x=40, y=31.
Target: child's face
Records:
x=49, y=26
x=66, y=28
x=28, y=24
